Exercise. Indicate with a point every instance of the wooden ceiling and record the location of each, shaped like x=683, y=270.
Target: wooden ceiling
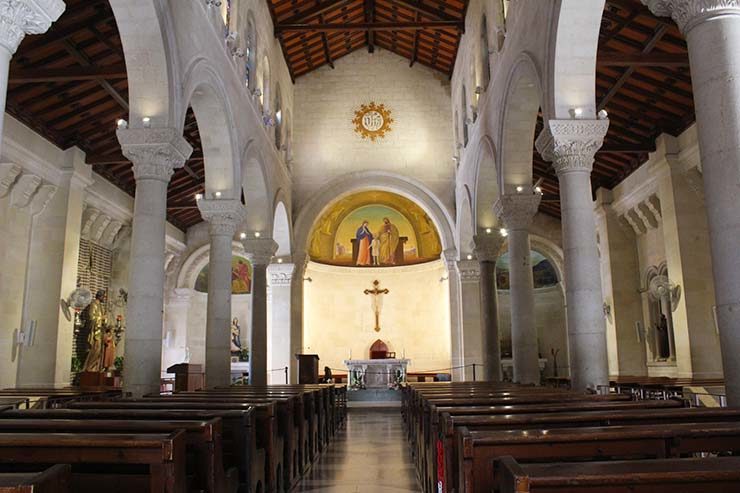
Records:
x=314, y=33
x=643, y=82
x=70, y=85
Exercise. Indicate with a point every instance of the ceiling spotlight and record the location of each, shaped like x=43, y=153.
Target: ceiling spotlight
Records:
x=257, y=234
x=538, y=189
x=469, y=257
x=242, y=236
x=279, y=261
x=519, y=189
x=488, y=231
x=503, y=232
x=146, y=121
x=575, y=112
x=121, y=123
x=217, y=195
x=198, y=196
x=603, y=115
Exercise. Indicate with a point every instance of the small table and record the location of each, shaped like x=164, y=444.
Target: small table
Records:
x=376, y=373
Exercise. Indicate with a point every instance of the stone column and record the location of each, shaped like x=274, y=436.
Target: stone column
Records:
x=279, y=340
x=223, y=217
x=487, y=248
x=517, y=212
x=300, y=261
x=571, y=146
x=712, y=30
x=18, y=18
x=469, y=272
x=260, y=252
x=155, y=154
x=457, y=342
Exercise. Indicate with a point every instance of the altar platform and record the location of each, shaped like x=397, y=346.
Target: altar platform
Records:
x=378, y=373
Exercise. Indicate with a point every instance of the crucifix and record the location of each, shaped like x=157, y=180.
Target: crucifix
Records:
x=377, y=301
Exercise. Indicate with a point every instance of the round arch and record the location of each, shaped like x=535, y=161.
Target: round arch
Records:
x=523, y=101
x=195, y=262
x=256, y=189
x=204, y=90
x=486, y=185
x=281, y=231
x=465, y=224
x=150, y=62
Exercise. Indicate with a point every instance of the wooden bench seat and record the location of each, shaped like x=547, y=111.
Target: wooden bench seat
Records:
x=240, y=448
x=55, y=479
x=162, y=454
x=476, y=450
x=717, y=474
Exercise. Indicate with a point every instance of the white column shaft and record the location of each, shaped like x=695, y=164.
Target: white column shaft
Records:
x=218, y=325
x=258, y=342
x=489, y=322
x=523, y=330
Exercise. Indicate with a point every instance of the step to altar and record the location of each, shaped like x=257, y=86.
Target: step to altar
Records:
x=373, y=398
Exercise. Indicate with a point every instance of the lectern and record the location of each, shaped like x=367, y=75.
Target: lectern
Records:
x=308, y=368
x=187, y=376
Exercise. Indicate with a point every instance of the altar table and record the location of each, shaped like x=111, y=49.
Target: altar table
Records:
x=376, y=373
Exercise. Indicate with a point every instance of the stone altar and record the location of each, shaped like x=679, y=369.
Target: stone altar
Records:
x=376, y=373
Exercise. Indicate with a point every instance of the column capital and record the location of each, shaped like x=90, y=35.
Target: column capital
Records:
x=260, y=250
x=469, y=270
x=450, y=256
x=155, y=152
x=21, y=17
x=572, y=144
x=517, y=210
x=280, y=274
x=223, y=215
x=690, y=13
x=488, y=246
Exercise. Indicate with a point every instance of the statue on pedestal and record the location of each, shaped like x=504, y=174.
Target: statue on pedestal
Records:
x=99, y=339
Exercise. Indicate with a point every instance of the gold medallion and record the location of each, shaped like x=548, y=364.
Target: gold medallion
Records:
x=372, y=121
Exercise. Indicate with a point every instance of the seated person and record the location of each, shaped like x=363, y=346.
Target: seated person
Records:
x=328, y=377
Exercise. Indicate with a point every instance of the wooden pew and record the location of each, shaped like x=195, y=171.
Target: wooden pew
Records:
x=478, y=449
x=162, y=454
x=43, y=398
x=266, y=427
x=203, y=442
x=717, y=474
x=446, y=444
x=55, y=479
x=241, y=449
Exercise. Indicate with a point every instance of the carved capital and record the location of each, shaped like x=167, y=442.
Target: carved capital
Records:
x=260, y=250
x=517, y=210
x=280, y=274
x=155, y=152
x=223, y=215
x=572, y=144
x=488, y=247
x=469, y=270
x=690, y=13
x=21, y=17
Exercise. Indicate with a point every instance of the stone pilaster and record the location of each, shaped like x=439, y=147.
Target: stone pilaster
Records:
x=260, y=252
x=279, y=337
x=517, y=212
x=712, y=30
x=469, y=274
x=223, y=217
x=457, y=341
x=487, y=250
x=571, y=146
x=155, y=154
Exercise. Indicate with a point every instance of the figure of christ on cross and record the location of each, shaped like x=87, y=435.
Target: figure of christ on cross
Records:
x=377, y=301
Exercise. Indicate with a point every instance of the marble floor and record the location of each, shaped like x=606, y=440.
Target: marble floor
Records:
x=370, y=454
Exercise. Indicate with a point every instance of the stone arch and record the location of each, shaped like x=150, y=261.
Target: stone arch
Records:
x=265, y=85
x=373, y=180
x=486, y=185
x=523, y=101
x=256, y=189
x=204, y=90
x=195, y=262
x=573, y=55
x=465, y=223
x=553, y=253
x=148, y=47
x=281, y=230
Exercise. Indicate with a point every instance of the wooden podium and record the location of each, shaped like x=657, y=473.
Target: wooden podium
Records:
x=187, y=376
x=308, y=368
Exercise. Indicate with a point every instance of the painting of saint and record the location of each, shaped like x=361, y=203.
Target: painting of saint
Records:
x=389, y=237
x=364, y=238
x=241, y=280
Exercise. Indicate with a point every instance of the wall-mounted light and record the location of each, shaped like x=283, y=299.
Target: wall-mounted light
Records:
x=488, y=231
x=538, y=190
x=198, y=196
x=146, y=121
x=121, y=123
x=519, y=189
x=242, y=236
x=469, y=257
x=279, y=261
x=257, y=234
x=575, y=112
x=603, y=115
x=217, y=195
x=503, y=232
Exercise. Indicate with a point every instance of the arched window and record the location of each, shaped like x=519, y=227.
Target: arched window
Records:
x=226, y=16
x=250, y=53
x=464, y=115
x=456, y=129
x=278, y=119
x=484, y=60
x=265, y=89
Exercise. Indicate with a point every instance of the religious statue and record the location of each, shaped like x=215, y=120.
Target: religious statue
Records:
x=236, y=342
x=96, y=320
x=389, y=238
x=377, y=301
x=364, y=238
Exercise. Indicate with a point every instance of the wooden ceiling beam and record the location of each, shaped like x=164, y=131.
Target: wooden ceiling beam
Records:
x=115, y=72
x=618, y=59
x=421, y=8
x=84, y=60
x=377, y=26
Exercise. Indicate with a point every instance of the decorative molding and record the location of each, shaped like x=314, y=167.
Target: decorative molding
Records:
x=280, y=275
x=223, y=215
x=155, y=152
x=98, y=227
x=642, y=216
x=21, y=17
x=24, y=189
x=8, y=174
x=571, y=145
x=690, y=13
x=41, y=198
x=517, y=210
x=488, y=247
x=260, y=251
x=469, y=270
x=372, y=121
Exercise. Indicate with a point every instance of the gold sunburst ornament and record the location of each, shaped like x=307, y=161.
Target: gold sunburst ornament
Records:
x=372, y=121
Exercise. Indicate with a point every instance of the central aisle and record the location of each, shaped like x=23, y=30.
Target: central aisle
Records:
x=370, y=454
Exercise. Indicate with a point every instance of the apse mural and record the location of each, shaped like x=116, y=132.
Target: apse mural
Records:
x=241, y=277
x=374, y=229
x=543, y=272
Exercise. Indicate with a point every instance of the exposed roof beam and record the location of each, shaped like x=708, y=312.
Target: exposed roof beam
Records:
x=415, y=49
x=617, y=59
x=626, y=149
x=377, y=26
x=118, y=158
x=84, y=60
x=369, y=19
x=68, y=74
x=319, y=8
x=325, y=43
x=421, y=8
